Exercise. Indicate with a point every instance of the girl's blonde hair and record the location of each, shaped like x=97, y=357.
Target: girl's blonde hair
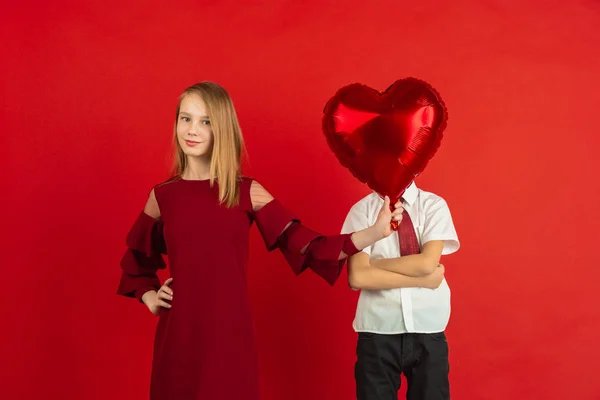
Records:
x=228, y=142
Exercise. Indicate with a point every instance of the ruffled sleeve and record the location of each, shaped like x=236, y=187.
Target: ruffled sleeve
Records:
x=321, y=253
x=143, y=257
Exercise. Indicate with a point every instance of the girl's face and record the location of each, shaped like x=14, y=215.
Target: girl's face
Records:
x=194, y=132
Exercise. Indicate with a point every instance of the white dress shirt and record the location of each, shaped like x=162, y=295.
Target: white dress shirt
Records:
x=404, y=310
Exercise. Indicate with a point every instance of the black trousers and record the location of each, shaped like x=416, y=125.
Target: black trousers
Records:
x=421, y=357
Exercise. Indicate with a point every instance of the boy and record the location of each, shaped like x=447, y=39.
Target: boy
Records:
x=404, y=304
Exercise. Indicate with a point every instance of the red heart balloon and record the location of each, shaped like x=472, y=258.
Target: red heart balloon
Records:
x=385, y=138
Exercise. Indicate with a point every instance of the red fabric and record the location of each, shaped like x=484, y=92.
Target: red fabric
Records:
x=271, y=221
x=321, y=253
x=409, y=244
x=207, y=334
x=209, y=325
x=143, y=257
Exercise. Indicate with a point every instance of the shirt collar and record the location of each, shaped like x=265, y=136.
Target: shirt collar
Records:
x=410, y=194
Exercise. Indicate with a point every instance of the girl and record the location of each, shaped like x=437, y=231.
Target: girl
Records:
x=204, y=345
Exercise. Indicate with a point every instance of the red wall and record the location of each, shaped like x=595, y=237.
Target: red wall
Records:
x=88, y=100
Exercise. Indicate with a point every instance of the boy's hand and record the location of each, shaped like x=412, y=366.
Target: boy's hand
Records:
x=434, y=280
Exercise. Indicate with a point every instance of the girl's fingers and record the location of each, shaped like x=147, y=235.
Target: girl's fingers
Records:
x=164, y=304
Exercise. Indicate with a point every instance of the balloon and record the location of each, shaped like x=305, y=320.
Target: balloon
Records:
x=387, y=138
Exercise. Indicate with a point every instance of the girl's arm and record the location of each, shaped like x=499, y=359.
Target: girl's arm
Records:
x=304, y=248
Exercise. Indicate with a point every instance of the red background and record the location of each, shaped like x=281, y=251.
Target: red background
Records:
x=89, y=91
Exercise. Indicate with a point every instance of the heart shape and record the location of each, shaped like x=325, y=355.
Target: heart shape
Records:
x=385, y=138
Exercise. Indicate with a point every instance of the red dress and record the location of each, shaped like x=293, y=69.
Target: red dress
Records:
x=204, y=347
